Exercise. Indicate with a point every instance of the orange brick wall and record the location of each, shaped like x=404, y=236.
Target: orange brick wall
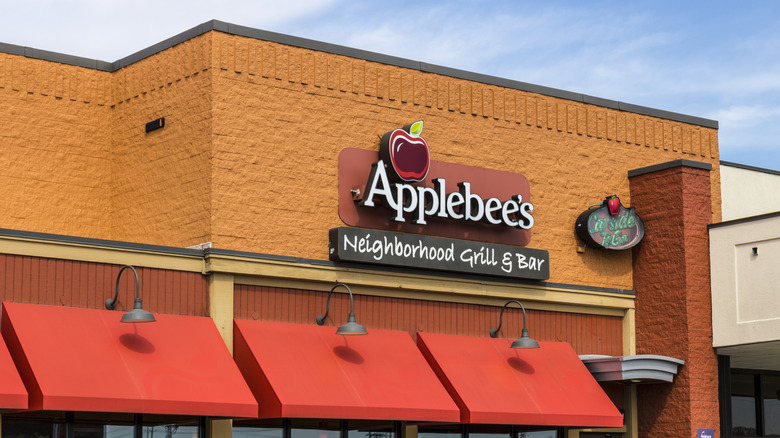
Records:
x=54, y=147
x=248, y=157
x=292, y=110
x=161, y=181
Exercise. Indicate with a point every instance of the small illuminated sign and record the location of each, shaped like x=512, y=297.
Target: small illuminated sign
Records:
x=610, y=226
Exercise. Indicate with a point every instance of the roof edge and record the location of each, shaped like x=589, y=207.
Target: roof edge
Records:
x=748, y=167
x=336, y=49
x=682, y=162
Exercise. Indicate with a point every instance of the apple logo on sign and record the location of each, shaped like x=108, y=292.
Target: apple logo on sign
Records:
x=407, y=153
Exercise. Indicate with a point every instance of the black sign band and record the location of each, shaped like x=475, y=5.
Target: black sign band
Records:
x=427, y=252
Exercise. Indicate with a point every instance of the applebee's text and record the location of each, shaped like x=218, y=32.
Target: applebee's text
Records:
x=415, y=251
x=422, y=202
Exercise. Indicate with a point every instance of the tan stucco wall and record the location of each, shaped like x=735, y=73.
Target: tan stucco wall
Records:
x=748, y=192
x=248, y=157
x=744, y=308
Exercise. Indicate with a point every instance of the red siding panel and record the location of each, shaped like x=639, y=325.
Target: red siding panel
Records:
x=588, y=334
x=57, y=282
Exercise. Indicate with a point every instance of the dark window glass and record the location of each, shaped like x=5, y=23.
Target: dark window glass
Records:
x=770, y=391
x=53, y=424
x=100, y=425
x=600, y=435
x=439, y=431
x=258, y=429
x=169, y=426
x=315, y=428
x=370, y=429
x=39, y=424
x=743, y=405
x=489, y=431
x=537, y=434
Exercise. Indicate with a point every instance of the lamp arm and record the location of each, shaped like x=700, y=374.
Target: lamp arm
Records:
x=494, y=332
x=111, y=303
x=321, y=318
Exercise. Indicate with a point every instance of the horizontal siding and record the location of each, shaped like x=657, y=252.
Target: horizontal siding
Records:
x=588, y=334
x=58, y=282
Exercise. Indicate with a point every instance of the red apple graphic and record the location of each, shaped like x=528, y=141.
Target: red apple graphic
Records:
x=406, y=153
x=613, y=203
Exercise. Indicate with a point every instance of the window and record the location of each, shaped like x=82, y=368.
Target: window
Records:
x=314, y=428
x=486, y=431
x=48, y=424
x=770, y=395
x=743, y=405
x=258, y=429
x=755, y=403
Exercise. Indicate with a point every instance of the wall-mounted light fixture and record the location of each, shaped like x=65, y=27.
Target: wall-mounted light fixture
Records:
x=351, y=327
x=155, y=124
x=525, y=341
x=138, y=314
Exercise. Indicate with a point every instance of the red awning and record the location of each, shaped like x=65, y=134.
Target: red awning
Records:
x=12, y=392
x=308, y=371
x=86, y=360
x=495, y=384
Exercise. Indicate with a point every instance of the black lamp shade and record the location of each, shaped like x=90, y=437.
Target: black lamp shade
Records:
x=351, y=327
x=138, y=314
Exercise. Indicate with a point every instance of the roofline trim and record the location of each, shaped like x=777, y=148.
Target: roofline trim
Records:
x=336, y=49
x=751, y=168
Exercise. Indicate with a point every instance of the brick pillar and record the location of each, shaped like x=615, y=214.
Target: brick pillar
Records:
x=673, y=304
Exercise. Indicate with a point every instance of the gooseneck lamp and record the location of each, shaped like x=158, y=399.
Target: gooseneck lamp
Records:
x=525, y=341
x=351, y=327
x=138, y=314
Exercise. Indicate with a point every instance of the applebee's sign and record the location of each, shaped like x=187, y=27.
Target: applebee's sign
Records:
x=405, y=159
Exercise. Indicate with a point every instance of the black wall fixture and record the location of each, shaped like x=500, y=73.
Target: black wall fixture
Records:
x=155, y=124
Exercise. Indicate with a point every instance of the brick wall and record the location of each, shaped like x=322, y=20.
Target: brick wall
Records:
x=291, y=111
x=161, y=181
x=673, y=304
x=54, y=147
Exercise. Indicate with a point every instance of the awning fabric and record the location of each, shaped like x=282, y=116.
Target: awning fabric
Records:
x=308, y=371
x=86, y=360
x=13, y=395
x=495, y=384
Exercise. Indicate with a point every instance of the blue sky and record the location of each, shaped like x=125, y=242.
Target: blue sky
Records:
x=714, y=59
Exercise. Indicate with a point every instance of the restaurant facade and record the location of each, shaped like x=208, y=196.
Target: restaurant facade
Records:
x=267, y=197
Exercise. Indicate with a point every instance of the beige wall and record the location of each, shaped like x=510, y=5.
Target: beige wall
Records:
x=748, y=192
x=744, y=300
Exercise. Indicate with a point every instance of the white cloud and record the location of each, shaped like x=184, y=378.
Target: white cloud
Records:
x=110, y=30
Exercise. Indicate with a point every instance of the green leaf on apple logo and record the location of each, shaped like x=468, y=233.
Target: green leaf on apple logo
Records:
x=416, y=128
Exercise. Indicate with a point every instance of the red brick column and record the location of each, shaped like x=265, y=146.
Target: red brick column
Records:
x=673, y=304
